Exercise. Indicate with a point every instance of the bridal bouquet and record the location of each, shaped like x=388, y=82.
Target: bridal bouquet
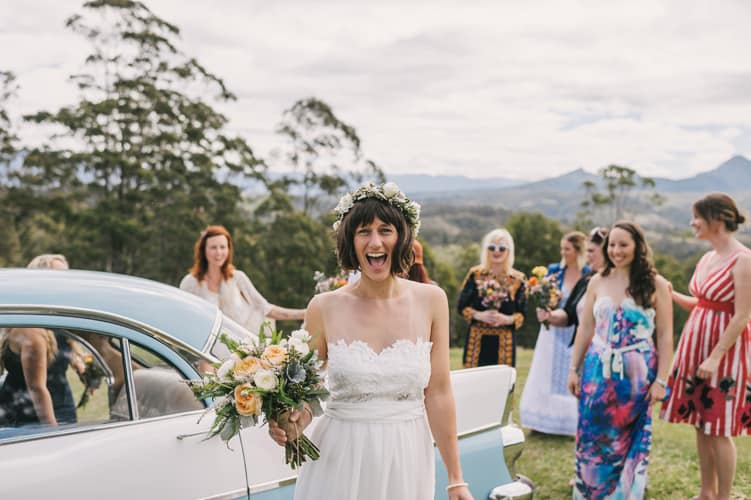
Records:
x=329, y=283
x=542, y=290
x=268, y=376
x=492, y=292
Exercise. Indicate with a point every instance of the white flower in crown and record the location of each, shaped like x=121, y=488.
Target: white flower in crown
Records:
x=391, y=190
x=388, y=192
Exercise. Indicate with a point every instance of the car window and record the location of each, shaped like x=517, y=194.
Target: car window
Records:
x=160, y=388
x=56, y=378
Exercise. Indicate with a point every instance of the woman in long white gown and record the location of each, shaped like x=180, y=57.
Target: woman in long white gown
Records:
x=385, y=340
x=546, y=404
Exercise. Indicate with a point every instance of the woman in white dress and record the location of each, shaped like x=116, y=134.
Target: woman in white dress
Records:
x=385, y=341
x=547, y=405
x=215, y=279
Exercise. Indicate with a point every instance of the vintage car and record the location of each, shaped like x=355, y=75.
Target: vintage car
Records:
x=141, y=435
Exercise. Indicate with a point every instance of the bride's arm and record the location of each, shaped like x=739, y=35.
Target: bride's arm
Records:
x=439, y=398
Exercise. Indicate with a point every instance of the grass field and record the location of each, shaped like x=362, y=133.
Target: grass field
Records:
x=673, y=469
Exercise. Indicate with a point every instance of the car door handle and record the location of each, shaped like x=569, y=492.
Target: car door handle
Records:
x=192, y=434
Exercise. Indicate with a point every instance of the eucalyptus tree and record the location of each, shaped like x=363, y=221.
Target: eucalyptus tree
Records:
x=142, y=160
x=324, y=150
x=618, y=198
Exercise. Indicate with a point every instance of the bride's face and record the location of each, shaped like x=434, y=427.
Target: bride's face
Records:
x=374, y=246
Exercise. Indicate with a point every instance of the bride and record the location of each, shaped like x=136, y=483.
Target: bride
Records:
x=385, y=340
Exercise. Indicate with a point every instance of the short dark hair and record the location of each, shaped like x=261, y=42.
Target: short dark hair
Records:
x=363, y=212
x=721, y=207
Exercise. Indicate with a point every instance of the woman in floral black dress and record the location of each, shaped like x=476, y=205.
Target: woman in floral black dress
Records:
x=493, y=301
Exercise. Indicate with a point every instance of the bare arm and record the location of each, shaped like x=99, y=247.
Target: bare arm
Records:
x=34, y=365
x=685, y=302
x=556, y=317
x=664, y=327
x=439, y=398
x=584, y=335
x=740, y=320
x=284, y=313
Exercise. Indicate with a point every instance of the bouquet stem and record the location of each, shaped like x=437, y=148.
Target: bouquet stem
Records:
x=299, y=450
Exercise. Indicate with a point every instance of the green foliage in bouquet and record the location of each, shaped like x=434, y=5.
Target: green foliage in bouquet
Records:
x=265, y=376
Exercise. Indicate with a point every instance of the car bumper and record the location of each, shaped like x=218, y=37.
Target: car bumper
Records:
x=519, y=489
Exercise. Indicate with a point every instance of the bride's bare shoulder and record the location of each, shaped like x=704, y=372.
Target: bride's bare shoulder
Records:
x=426, y=291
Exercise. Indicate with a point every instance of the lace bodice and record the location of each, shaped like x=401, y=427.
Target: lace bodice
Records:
x=357, y=373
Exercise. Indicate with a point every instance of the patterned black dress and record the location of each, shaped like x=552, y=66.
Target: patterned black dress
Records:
x=486, y=344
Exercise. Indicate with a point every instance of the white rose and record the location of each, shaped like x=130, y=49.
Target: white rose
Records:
x=390, y=190
x=299, y=346
x=266, y=380
x=227, y=366
x=301, y=335
x=345, y=203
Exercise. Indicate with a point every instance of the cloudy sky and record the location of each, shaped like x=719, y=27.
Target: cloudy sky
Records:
x=478, y=88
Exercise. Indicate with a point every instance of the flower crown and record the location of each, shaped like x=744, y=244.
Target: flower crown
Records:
x=388, y=192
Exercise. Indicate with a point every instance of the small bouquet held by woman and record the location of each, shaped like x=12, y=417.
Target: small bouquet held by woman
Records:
x=269, y=376
x=542, y=290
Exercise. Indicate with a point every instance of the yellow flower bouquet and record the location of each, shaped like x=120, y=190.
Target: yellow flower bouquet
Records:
x=542, y=289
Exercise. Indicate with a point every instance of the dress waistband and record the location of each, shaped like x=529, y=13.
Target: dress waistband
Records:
x=728, y=307
x=612, y=357
x=375, y=410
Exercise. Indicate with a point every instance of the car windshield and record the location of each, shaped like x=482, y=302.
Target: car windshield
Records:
x=234, y=331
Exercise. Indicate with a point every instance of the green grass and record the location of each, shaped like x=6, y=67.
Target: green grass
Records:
x=673, y=468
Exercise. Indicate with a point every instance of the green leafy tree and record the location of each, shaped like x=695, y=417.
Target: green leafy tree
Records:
x=145, y=162
x=537, y=242
x=325, y=149
x=10, y=244
x=618, y=198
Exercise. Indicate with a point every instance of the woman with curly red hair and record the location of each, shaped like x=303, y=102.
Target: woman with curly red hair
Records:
x=215, y=279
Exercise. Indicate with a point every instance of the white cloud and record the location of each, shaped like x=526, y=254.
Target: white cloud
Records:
x=482, y=88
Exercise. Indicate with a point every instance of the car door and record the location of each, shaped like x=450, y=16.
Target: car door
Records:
x=138, y=436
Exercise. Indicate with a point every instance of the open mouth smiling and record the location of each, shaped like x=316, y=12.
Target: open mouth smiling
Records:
x=376, y=259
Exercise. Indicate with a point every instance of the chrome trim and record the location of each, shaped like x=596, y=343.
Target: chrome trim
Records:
x=227, y=495
x=478, y=430
x=180, y=437
x=214, y=332
x=95, y=314
x=93, y=428
x=270, y=485
x=130, y=382
x=511, y=454
x=521, y=488
x=507, y=416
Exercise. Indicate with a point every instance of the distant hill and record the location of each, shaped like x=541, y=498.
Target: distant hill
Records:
x=732, y=176
x=415, y=184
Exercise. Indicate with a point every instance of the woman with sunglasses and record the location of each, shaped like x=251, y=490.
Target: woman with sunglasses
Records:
x=493, y=301
x=546, y=405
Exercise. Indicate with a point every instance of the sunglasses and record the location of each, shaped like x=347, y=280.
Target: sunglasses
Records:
x=493, y=247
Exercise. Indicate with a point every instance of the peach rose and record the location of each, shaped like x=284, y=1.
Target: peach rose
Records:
x=275, y=354
x=247, y=366
x=246, y=401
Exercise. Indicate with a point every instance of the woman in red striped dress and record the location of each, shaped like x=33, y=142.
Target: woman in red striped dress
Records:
x=710, y=383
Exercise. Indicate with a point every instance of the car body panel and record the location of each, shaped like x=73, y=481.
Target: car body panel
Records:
x=167, y=457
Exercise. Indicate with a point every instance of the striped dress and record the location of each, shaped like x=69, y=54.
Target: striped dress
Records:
x=721, y=405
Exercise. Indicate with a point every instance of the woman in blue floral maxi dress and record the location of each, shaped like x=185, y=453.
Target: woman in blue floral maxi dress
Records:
x=623, y=372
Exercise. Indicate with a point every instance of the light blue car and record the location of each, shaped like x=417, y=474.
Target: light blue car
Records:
x=128, y=345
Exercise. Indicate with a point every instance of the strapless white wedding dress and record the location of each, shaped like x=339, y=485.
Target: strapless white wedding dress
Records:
x=374, y=437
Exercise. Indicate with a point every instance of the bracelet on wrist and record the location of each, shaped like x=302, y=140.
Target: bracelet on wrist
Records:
x=573, y=368
x=456, y=485
x=662, y=382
